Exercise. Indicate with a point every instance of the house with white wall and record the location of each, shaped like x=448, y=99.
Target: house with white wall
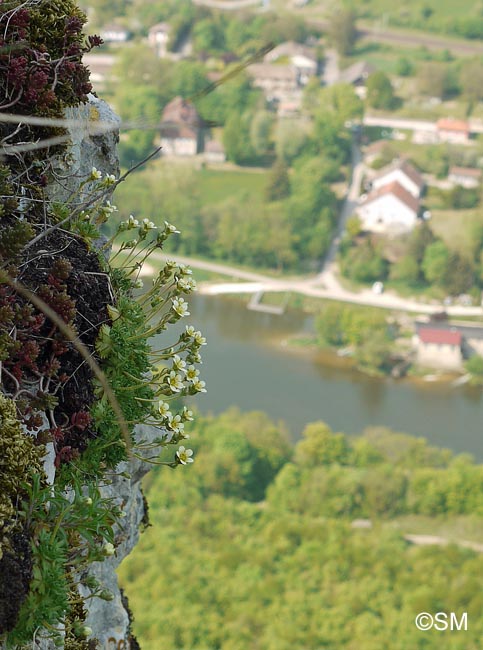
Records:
x=181, y=129
x=453, y=131
x=466, y=177
x=158, y=38
x=439, y=347
x=389, y=209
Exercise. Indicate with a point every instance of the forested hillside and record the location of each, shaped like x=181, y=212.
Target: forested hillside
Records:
x=261, y=547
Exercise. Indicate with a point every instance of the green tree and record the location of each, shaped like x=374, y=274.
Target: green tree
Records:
x=320, y=446
x=208, y=36
x=278, y=183
x=236, y=138
x=342, y=31
x=435, y=263
x=380, y=93
x=291, y=138
x=406, y=269
x=459, y=275
x=261, y=132
x=404, y=67
x=474, y=366
x=421, y=237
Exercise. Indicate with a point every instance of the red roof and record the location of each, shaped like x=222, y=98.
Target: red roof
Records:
x=447, y=124
x=440, y=336
x=405, y=166
x=465, y=171
x=397, y=190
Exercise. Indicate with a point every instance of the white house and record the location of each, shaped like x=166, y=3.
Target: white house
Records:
x=158, y=38
x=402, y=172
x=181, y=129
x=300, y=56
x=276, y=80
x=389, y=209
x=465, y=176
x=453, y=131
x=438, y=347
x=114, y=33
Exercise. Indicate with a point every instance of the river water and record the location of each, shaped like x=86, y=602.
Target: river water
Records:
x=247, y=364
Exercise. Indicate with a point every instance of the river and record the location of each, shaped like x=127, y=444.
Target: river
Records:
x=247, y=364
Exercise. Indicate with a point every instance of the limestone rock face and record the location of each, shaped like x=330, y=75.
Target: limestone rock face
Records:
x=94, y=135
x=109, y=620
x=94, y=138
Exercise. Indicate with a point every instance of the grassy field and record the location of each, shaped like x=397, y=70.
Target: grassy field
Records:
x=217, y=185
x=454, y=226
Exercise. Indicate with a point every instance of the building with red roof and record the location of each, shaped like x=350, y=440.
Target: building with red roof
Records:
x=389, y=208
x=439, y=347
x=181, y=129
x=453, y=131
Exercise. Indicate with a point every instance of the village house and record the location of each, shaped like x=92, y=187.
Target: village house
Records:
x=181, y=129
x=401, y=171
x=114, y=33
x=453, y=131
x=356, y=75
x=301, y=57
x=276, y=80
x=158, y=39
x=438, y=347
x=465, y=177
x=389, y=209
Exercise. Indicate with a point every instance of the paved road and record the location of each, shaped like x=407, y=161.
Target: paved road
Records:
x=256, y=282
x=327, y=276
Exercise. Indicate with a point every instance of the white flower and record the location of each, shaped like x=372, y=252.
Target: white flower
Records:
x=175, y=381
x=196, y=357
x=138, y=284
x=187, y=414
x=148, y=225
x=184, y=455
x=184, y=270
x=170, y=228
x=169, y=264
x=190, y=330
x=109, y=179
x=163, y=408
x=95, y=174
x=199, y=386
x=178, y=363
x=199, y=339
x=192, y=373
x=176, y=425
x=109, y=549
x=132, y=222
x=108, y=208
x=180, y=307
x=186, y=284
